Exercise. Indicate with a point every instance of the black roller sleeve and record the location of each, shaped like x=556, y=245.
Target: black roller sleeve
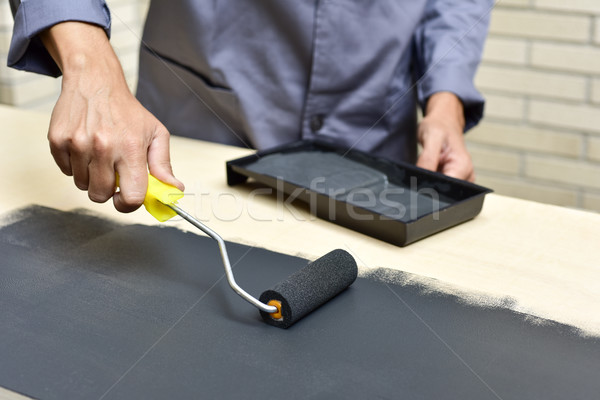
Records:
x=311, y=287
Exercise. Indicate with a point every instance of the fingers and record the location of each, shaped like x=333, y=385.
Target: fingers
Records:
x=133, y=184
x=432, y=149
x=460, y=168
x=80, y=159
x=456, y=161
x=131, y=165
x=159, y=161
x=471, y=177
x=61, y=156
x=101, y=168
x=92, y=153
x=58, y=144
x=102, y=181
x=444, y=150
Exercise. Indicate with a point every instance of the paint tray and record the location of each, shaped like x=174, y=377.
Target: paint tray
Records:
x=392, y=201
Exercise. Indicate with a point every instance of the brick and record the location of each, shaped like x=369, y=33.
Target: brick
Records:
x=573, y=116
x=529, y=190
x=144, y=6
x=591, y=202
x=515, y=3
x=124, y=13
x=30, y=91
x=485, y=158
x=124, y=39
x=593, y=149
x=5, y=43
x=524, y=81
x=504, y=107
x=527, y=138
x=595, y=95
x=584, y=59
x=132, y=81
x=11, y=76
x=42, y=105
x=502, y=50
x=6, y=20
x=570, y=172
x=540, y=25
x=129, y=60
x=582, y=6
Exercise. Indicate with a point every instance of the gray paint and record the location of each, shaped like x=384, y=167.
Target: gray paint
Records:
x=83, y=299
x=331, y=174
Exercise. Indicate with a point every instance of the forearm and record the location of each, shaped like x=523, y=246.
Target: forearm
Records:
x=79, y=47
x=448, y=107
x=27, y=52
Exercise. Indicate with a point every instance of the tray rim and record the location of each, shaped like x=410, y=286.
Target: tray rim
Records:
x=237, y=173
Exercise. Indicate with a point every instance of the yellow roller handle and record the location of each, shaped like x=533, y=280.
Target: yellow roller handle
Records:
x=157, y=195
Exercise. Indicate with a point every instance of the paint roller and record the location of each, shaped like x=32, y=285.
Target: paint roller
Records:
x=288, y=301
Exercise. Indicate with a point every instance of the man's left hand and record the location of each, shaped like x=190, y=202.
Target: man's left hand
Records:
x=441, y=135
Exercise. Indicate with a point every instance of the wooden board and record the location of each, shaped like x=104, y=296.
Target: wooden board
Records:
x=544, y=258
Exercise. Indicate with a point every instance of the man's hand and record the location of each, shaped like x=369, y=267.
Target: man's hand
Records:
x=98, y=128
x=441, y=135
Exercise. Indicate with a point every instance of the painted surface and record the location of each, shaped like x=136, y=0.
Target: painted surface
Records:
x=93, y=309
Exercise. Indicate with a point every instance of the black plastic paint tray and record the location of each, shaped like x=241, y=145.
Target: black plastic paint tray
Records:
x=396, y=202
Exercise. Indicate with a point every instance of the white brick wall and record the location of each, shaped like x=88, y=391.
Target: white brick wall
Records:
x=593, y=149
x=595, y=95
x=523, y=138
x=506, y=162
x=541, y=78
x=505, y=107
x=566, y=57
x=522, y=81
x=538, y=24
x=568, y=172
x=506, y=51
x=591, y=201
x=574, y=6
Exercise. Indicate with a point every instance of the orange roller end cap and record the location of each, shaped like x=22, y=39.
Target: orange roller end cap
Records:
x=277, y=314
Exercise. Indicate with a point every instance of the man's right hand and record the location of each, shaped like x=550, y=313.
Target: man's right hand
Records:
x=98, y=128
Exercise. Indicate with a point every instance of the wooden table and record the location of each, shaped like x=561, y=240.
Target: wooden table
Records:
x=545, y=259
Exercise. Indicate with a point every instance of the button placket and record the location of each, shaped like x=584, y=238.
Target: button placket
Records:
x=316, y=122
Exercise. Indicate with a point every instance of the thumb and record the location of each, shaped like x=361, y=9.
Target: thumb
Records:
x=432, y=149
x=159, y=160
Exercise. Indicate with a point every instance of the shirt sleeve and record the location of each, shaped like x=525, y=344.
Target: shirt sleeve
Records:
x=448, y=45
x=34, y=16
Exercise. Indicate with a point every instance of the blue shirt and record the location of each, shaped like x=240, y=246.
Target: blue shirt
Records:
x=263, y=73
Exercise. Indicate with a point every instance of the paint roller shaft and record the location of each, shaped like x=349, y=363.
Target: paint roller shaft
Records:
x=310, y=287
x=223, y=249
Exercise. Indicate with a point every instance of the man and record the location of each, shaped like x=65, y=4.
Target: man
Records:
x=256, y=74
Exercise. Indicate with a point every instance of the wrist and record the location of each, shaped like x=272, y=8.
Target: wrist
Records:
x=77, y=46
x=448, y=106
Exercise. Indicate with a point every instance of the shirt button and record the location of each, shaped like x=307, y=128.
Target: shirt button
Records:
x=316, y=122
